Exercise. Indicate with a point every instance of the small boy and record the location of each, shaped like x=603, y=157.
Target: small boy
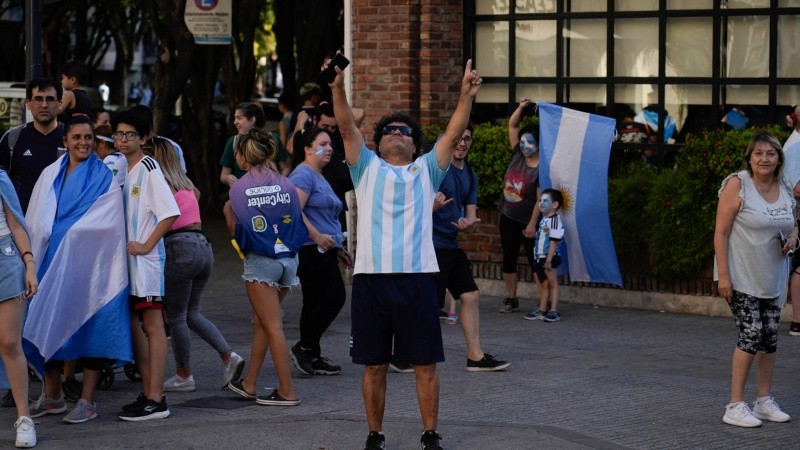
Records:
x=546, y=257
x=150, y=209
x=74, y=76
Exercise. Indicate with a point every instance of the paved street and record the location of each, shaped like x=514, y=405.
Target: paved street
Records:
x=601, y=378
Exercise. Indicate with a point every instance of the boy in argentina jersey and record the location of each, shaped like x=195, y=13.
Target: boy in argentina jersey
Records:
x=394, y=306
x=546, y=256
x=150, y=209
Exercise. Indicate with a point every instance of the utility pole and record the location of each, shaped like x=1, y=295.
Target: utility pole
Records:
x=33, y=39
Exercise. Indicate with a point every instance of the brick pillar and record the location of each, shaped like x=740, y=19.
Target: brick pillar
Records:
x=407, y=57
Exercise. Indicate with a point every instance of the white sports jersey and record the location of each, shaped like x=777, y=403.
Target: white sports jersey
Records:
x=550, y=229
x=148, y=201
x=395, y=219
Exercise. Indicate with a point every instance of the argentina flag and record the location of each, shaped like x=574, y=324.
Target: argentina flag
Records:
x=77, y=225
x=575, y=148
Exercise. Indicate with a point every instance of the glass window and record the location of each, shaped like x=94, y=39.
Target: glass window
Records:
x=689, y=106
x=491, y=51
x=493, y=93
x=745, y=95
x=587, y=6
x=585, y=48
x=585, y=93
x=747, y=48
x=789, y=46
x=636, y=5
x=536, y=48
x=740, y=4
x=689, y=47
x=536, y=92
x=788, y=3
x=492, y=6
x=636, y=47
x=689, y=4
x=633, y=95
x=536, y=6
x=789, y=95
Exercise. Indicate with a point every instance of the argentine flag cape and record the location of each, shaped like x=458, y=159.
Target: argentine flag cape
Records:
x=8, y=195
x=77, y=224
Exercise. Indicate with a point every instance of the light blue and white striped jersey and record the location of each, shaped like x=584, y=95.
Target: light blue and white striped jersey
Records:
x=550, y=229
x=395, y=213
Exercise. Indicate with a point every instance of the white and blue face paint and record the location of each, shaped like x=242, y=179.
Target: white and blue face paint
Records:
x=546, y=204
x=528, y=145
x=319, y=151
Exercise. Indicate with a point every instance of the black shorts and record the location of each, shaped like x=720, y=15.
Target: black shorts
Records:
x=455, y=274
x=538, y=267
x=399, y=309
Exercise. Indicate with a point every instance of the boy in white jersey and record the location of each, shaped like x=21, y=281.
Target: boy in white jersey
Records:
x=394, y=290
x=546, y=257
x=150, y=209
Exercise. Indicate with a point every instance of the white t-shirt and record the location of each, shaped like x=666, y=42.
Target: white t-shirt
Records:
x=148, y=201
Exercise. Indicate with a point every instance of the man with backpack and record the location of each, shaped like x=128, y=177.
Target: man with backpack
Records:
x=27, y=149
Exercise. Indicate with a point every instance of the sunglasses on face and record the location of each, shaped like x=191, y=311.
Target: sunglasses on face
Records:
x=403, y=129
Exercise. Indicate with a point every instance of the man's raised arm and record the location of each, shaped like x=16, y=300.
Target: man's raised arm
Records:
x=470, y=84
x=344, y=118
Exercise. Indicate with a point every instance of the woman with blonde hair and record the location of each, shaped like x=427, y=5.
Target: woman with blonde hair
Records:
x=264, y=215
x=189, y=263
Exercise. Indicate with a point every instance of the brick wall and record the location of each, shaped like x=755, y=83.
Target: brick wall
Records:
x=406, y=57
x=484, y=249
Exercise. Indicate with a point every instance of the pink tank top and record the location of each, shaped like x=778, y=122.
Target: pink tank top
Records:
x=190, y=209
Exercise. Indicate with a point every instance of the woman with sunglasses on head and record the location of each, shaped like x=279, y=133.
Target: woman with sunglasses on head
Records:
x=18, y=282
x=189, y=263
x=320, y=279
x=265, y=217
x=76, y=219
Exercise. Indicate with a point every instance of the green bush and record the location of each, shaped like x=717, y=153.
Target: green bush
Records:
x=629, y=193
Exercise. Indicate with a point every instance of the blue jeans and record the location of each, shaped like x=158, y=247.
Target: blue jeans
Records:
x=189, y=264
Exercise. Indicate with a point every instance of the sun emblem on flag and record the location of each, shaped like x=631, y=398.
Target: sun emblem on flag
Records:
x=569, y=199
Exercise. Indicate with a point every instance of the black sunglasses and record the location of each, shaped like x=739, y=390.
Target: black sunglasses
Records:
x=403, y=129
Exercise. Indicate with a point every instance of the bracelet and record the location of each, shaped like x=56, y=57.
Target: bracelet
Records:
x=318, y=236
x=27, y=253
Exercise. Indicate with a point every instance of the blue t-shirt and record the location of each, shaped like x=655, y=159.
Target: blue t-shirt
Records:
x=323, y=206
x=268, y=218
x=462, y=186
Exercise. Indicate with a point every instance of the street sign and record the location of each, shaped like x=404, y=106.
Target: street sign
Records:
x=209, y=21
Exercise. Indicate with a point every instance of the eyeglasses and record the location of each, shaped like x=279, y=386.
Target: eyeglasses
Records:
x=38, y=100
x=129, y=135
x=467, y=139
x=403, y=129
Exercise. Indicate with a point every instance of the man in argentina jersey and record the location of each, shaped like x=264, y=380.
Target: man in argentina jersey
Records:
x=394, y=306
x=150, y=209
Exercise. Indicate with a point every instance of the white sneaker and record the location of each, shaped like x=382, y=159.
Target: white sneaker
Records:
x=178, y=384
x=26, y=433
x=739, y=414
x=767, y=409
x=232, y=369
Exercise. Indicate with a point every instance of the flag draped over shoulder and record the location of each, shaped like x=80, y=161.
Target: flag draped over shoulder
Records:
x=575, y=148
x=77, y=225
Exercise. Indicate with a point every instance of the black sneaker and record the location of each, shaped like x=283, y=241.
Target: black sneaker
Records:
x=302, y=360
x=151, y=410
x=552, y=316
x=236, y=386
x=794, y=330
x=430, y=440
x=509, y=305
x=486, y=364
x=136, y=405
x=323, y=366
x=375, y=441
x=8, y=400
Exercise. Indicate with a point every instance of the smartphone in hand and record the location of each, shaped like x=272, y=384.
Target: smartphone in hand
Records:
x=340, y=61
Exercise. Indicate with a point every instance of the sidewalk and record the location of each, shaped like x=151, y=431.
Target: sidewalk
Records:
x=601, y=378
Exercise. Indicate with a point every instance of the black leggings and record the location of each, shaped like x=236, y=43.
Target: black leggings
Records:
x=510, y=239
x=323, y=294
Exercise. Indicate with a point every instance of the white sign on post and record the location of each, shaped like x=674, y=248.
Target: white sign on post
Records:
x=209, y=21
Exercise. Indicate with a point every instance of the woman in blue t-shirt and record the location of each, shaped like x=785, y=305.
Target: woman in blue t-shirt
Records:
x=320, y=278
x=265, y=217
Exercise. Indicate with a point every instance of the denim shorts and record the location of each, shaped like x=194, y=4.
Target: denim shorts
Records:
x=274, y=272
x=12, y=269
